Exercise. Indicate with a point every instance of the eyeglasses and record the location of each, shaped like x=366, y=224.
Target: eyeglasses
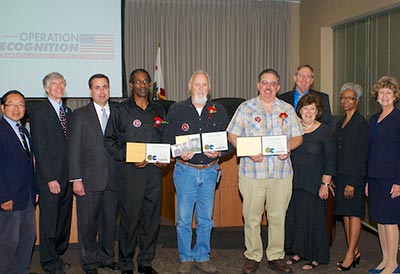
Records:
x=304, y=76
x=271, y=84
x=15, y=105
x=348, y=98
x=144, y=82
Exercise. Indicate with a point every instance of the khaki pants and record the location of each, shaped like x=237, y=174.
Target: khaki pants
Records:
x=275, y=195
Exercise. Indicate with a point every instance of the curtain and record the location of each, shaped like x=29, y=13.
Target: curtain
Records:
x=233, y=40
x=364, y=50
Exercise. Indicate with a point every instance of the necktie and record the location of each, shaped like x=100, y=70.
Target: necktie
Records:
x=63, y=120
x=25, y=143
x=104, y=119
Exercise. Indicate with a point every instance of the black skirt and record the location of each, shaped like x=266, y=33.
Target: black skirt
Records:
x=349, y=207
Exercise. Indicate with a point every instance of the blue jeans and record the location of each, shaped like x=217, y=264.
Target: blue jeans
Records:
x=195, y=188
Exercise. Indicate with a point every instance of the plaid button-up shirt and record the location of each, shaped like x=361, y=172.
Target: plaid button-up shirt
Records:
x=251, y=119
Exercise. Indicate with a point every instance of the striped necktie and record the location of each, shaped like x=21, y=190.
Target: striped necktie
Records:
x=24, y=141
x=63, y=120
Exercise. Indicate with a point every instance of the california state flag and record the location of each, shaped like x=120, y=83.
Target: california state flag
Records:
x=158, y=86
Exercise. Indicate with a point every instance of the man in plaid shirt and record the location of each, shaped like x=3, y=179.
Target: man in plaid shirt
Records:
x=265, y=180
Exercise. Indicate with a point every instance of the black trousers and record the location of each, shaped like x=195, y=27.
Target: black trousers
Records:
x=140, y=207
x=54, y=225
x=96, y=216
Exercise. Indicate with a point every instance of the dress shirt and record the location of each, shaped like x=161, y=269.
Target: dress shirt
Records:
x=297, y=96
x=57, y=106
x=99, y=113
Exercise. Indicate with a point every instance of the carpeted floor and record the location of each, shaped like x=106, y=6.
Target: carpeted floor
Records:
x=227, y=253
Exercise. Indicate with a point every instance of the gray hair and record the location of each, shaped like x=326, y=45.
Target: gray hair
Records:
x=52, y=76
x=354, y=87
x=203, y=72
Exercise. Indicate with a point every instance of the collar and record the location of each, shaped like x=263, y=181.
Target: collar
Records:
x=11, y=122
x=98, y=108
x=298, y=93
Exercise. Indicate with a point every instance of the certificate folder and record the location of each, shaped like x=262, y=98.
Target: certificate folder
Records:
x=138, y=152
x=268, y=145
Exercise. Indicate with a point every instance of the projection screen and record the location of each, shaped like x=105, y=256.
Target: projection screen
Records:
x=76, y=38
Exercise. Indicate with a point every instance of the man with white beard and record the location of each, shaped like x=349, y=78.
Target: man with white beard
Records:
x=195, y=175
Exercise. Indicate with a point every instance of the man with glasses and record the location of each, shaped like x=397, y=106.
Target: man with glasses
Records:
x=134, y=120
x=49, y=123
x=304, y=78
x=18, y=189
x=265, y=182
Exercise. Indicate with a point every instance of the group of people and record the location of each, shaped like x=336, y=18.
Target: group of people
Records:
x=84, y=153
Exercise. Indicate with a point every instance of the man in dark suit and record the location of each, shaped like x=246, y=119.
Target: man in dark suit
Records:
x=141, y=183
x=18, y=190
x=304, y=78
x=49, y=134
x=94, y=175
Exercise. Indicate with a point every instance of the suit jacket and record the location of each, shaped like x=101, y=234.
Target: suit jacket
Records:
x=17, y=178
x=352, y=148
x=88, y=158
x=50, y=146
x=326, y=117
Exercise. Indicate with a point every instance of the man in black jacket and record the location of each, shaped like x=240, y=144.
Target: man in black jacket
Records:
x=134, y=120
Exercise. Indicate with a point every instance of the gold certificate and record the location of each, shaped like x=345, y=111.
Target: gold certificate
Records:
x=248, y=146
x=135, y=152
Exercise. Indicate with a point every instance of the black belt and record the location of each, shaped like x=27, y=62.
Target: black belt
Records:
x=197, y=166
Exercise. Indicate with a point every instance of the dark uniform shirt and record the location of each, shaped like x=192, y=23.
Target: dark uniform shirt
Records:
x=184, y=119
x=130, y=123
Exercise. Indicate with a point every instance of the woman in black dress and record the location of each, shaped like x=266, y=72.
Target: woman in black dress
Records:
x=351, y=159
x=313, y=165
x=383, y=174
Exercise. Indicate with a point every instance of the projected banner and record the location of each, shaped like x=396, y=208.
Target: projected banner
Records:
x=76, y=38
x=57, y=46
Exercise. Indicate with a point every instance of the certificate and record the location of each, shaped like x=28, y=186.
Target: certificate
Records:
x=193, y=140
x=138, y=152
x=135, y=152
x=179, y=149
x=158, y=153
x=214, y=141
x=248, y=146
x=274, y=145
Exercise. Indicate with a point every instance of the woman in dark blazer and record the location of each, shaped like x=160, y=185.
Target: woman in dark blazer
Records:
x=383, y=175
x=351, y=157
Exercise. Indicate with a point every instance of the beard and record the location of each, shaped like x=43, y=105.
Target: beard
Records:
x=200, y=100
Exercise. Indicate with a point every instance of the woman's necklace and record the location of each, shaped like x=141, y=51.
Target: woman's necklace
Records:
x=307, y=126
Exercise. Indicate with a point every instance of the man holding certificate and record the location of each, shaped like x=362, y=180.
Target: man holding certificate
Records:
x=196, y=170
x=265, y=179
x=137, y=120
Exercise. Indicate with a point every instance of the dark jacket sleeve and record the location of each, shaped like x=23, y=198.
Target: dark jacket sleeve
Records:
x=329, y=153
x=114, y=136
x=40, y=140
x=75, y=147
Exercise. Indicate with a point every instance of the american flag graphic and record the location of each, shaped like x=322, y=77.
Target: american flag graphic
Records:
x=98, y=43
